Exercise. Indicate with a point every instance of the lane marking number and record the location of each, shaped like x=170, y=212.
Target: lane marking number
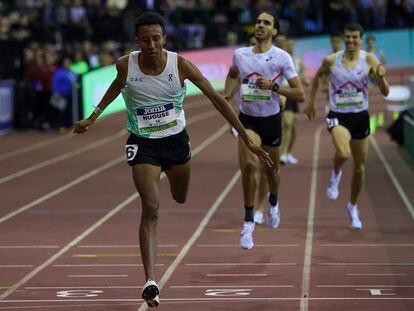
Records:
x=378, y=291
x=78, y=293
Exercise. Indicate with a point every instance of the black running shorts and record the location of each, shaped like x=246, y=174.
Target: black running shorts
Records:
x=357, y=123
x=164, y=152
x=268, y=128
x=291, y=105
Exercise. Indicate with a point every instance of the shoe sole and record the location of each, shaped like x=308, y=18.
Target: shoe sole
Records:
x=150, y=292
x=250, y=247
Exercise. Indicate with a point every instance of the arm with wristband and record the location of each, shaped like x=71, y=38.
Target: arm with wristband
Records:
x=111, y=93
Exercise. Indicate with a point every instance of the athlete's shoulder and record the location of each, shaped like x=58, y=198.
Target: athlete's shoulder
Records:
x=330, y=58
x=370, y=58
x=122, y=62
x=279, y=53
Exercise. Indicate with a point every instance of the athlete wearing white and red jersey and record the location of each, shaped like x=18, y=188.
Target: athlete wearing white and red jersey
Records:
x=260, y=69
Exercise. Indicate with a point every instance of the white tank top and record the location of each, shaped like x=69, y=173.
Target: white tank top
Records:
x=154, y=103
x=275, y=65
x=348, y=87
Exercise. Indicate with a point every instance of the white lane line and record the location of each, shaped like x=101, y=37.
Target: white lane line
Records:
x=311, y=221
x=100, y=222
x=65, y=306
x=98, y=275
x=16, y=266
x=35, y=146
x=367, y=245
x=80, y=287
x=86, y=176
x=243, y=264
x=104, y=265
x=63, y=188
x=62, y=157
x=366, y=263
x=230, y=286
x=392, y=176
x=197, y=233
x=255, y=245
x=123, y=246
x=236, y=274
x=376, y=274
x=27, y=246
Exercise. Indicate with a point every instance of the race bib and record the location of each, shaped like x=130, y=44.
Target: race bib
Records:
x=156, y=119
x=250, y=91
x=332, y=122
x=131, y=151
x=348, y=98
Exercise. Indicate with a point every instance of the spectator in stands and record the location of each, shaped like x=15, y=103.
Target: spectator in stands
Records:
x=79, y=65
x=62, y=88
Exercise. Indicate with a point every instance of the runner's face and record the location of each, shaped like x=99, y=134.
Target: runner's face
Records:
x=151, y=40
x=371, y=43
x=264, y=27
x=352, y=40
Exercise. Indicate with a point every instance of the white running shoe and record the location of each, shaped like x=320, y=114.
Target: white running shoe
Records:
x=273, y=213
x=332, y=191
x=150, y=293
x=246, y=237
x=291, y=159
x=283, y=159
x=258, y=217
x=353, y=214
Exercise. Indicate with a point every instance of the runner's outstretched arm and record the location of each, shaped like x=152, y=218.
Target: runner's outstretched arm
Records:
x=322, y=71
x=111, y=93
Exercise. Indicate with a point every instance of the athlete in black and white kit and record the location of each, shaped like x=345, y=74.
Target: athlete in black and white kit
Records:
x=256, y=73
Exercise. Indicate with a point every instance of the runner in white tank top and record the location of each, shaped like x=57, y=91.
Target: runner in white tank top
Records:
x=255, y=76
x=152, y=82
x=348, y=119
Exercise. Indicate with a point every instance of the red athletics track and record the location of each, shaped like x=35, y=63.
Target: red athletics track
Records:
x=69, y=227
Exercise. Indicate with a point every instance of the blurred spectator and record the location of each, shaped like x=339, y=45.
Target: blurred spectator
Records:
x=280, y=41
x=91, y=51
x=371, y=46
x=79, y=65
x=337, y=41
x=62, y=88
x=96, y=32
